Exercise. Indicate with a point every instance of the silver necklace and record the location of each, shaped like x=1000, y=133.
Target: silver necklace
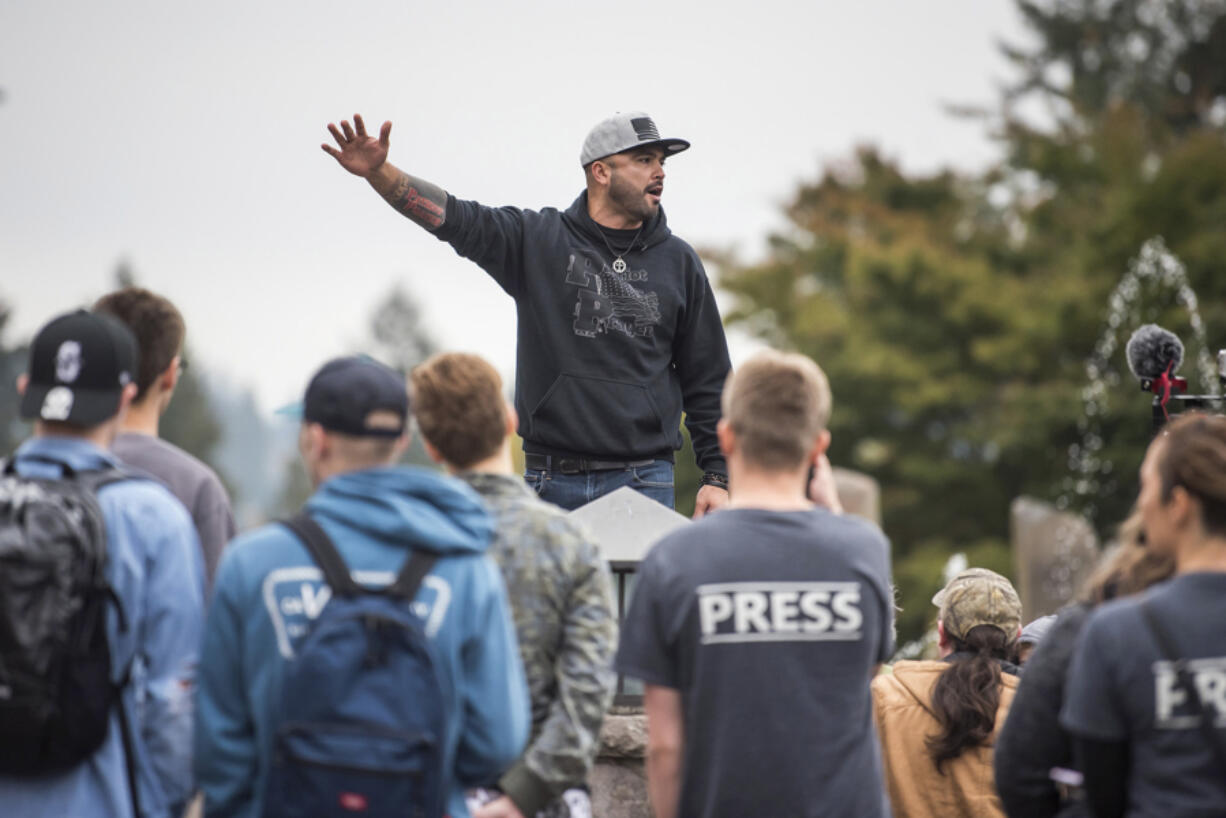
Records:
x=619, y=263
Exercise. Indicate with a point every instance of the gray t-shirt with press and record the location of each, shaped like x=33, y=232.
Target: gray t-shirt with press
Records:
x=769, y=624
x=1121, y=688
x=194, y=483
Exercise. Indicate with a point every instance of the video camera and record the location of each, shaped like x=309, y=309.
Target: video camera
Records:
x=1154, y=356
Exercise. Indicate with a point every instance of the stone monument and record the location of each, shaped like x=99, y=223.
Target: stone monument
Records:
x=625, y=524
x=859, y=494
x=1054, y=553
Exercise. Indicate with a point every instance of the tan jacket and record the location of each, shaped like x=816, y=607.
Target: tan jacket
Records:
x=902, y=705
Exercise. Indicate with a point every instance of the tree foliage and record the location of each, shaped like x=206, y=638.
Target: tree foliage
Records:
x=397, y=330
x=955, y=313
x=12, y=363
x=400, y=338
x=191, y=422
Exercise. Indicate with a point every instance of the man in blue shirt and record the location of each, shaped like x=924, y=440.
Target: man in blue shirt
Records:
x=269, y=592
x=77, y=389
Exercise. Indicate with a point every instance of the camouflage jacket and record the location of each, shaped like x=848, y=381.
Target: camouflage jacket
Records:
x=561, y=595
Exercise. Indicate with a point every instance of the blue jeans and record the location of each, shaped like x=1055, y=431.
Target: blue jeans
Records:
x=573, y=490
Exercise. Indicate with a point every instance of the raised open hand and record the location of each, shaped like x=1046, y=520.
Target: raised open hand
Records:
x=359, y=153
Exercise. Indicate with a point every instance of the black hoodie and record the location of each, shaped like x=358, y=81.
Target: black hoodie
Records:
x=605, y=361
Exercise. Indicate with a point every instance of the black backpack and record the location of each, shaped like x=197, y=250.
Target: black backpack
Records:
x=56, y=690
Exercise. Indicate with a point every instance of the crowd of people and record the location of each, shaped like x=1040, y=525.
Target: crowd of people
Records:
x=444, y=641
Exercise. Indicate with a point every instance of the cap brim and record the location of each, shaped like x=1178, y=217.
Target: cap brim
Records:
x=89, y=407
x=671, y=146
x=294, y=411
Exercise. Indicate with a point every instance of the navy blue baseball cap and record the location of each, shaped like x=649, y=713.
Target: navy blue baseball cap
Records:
x=345, y=391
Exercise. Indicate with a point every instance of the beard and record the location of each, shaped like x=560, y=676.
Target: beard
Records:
x=632, y=200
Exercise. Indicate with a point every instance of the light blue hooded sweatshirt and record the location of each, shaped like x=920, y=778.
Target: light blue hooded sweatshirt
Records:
x=154, y=564
x=268, y=591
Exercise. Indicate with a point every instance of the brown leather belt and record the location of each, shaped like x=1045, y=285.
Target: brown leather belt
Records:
x=578, y=465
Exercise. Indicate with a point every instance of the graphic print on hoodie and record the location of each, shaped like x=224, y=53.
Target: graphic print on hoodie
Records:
x=606, y=361
x=296, y=595
x=608, y=301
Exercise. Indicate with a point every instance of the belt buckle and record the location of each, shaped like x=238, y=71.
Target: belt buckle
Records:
x=571, y=465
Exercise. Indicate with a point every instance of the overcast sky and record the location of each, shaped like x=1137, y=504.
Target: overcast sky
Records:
x=185, y=138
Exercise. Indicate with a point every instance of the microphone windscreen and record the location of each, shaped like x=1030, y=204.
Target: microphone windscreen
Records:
x=1151, y=350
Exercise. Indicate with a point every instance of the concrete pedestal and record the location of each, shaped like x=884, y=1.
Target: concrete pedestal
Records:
x=618, y=779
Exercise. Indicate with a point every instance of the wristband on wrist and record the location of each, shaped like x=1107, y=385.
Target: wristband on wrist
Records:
x=715, y=479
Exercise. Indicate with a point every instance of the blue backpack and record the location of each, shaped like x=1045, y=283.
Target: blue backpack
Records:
x=363, y=709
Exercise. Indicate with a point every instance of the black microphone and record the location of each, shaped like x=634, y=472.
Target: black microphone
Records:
x=1152, y=352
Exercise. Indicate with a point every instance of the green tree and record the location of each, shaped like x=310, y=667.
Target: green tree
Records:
x=1133, y=147
x=1162, y=56
x=397, y=331
x=402, y=341
x=191, y=421
x=295, y=490
x=13, y=360
x=955, y=313
x=891, y=283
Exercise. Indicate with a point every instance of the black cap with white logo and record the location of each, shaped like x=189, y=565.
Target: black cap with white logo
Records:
x=79, y=365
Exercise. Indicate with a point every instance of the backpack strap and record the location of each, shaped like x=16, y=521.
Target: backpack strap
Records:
x=96, y=479
x=1167, y=647
x=324, y=553
x=10, y=465
x=129, y=749
x=336, y=572
x=93, y=479
x=411, y=575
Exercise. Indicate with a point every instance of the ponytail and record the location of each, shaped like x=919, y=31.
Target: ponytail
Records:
x=967, y=694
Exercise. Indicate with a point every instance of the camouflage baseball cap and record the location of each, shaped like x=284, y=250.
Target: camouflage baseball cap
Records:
x=978, y=596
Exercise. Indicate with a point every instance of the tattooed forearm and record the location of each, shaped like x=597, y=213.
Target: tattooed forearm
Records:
x=419, y=200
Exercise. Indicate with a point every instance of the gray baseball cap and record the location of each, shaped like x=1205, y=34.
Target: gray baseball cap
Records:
x=621, y=132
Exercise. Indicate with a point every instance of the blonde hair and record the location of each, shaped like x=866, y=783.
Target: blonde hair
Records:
x=777, y=404
x=1129, y=568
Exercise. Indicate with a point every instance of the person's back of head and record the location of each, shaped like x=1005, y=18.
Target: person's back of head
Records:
x=775, y=410
x=79, y=379
x=461, y=412
x=1183, y=487
x=159, y=331
x=979, y=624
x=354, y=417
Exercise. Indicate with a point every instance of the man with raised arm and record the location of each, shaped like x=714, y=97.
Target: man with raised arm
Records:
x=618, y=327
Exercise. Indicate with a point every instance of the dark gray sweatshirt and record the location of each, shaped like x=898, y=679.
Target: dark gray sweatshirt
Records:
x=606, y=361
